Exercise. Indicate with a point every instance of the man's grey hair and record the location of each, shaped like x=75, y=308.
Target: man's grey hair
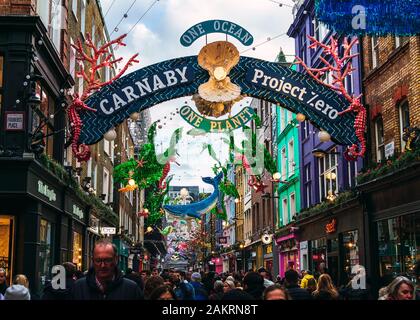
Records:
x=103, y=243
x=2, y=270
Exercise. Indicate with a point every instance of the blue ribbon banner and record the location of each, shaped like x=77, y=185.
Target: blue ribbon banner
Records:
x=370, y=17
x=216, y=26
x=181, y=77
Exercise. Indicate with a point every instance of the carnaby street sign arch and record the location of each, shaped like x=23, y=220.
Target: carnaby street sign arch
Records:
x=181, y=77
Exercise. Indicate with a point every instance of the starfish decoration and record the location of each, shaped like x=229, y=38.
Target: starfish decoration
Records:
x=140, y=163
x=260, y=187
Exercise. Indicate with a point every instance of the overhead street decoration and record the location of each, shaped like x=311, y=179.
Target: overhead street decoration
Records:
x=298, y=93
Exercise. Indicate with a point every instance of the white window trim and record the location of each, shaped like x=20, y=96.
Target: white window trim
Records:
x=291, y=157
x=105, y=184
x=401, y=104
x=74, y=5
x=375, y=52
x=378, y=146
x=292, y=214
x=323, y=179
x=397, y=42
x=285, y=211
x=283, y=163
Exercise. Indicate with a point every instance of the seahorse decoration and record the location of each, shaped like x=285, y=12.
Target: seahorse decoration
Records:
x=100, y=59
x=80, y=151
x=341, y=67
x=355, y=150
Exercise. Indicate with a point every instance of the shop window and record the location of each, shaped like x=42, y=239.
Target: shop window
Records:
x=399, y=245
x=379, y=136
x=7, y=246
x=105, y=185
x=328, y=176
x=45, y=251
x=1, y=83
x=351, y=251
x=318, y=254
x=404, y=116
x=77, y=250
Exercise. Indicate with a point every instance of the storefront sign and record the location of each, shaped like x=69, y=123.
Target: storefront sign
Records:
x=46, y=191
x=15, y=121
x=216, y=26
x=107, y=230
x=223, y=240
x=78, y=212
x=331, y=227
x=199, y=122
x=389, y=149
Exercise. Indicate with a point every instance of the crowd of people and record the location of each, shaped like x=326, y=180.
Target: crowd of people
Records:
x=104, y=281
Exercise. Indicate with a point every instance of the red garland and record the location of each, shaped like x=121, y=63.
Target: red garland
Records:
x=339, y=75
x=81, y=151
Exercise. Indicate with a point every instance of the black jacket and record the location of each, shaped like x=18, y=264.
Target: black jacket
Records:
x=297, y=293
x=58, y=294
x=3, y=288
x=119, y=289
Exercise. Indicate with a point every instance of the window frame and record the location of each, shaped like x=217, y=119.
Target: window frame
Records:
x=379, y=156
x=375, y=52
x=324, y=168
x=400, y=120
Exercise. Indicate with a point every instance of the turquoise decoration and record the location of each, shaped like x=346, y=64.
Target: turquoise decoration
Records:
x=370, y=17
x=216, y=26
x=196, y=209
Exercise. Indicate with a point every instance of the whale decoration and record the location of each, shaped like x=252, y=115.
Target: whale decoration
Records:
x=196, y=209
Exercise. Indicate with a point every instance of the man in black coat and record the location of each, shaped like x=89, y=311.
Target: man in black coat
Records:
x=291, y=280
x=62, y=294
x=105, y=281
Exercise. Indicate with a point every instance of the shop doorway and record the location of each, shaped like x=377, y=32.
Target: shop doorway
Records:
x=332, y=267
x=7, y=225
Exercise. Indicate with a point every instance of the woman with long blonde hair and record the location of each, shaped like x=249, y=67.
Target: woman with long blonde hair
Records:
x=325, y=289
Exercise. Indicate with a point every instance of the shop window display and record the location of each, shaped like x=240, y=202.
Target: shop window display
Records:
x=45, y=251
x=318, y=254
x=351, y=251
x=399, y=245
x=77, y=250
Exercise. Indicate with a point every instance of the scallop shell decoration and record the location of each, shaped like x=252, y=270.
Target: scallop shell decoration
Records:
x=218, y=58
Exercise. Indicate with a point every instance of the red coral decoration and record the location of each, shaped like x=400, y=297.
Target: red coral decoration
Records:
x=81, y=151
x=339, y=75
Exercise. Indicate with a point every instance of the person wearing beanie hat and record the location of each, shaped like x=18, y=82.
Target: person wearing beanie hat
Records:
x=230, y=278
x=196, y=277
x=200, y=290
x=17, y=292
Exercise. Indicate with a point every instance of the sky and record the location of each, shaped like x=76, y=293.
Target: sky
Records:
x=156, y=27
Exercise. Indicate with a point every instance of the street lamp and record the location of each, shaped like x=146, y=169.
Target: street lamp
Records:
x=242, y=247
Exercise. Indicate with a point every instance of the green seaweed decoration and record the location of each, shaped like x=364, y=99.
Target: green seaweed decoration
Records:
x=147, y=170
x=155, y=199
